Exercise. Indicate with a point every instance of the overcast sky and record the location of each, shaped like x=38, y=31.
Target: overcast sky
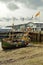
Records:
x=19, y=8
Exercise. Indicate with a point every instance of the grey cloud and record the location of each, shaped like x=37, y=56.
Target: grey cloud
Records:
x=5, y=0
x=12, y=6
x=32, y=3
x=28, y=3
x=36, y=3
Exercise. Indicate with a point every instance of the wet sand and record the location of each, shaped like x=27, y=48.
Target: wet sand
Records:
x=31, y=55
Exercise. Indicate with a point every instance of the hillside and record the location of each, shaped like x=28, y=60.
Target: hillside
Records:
x=31, y=55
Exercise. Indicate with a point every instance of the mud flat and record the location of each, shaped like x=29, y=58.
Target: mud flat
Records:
x=31, y=55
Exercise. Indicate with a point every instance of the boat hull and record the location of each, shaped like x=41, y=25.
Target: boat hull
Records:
x=6, y=45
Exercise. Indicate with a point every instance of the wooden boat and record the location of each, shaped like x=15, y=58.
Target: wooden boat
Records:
x=16, y=39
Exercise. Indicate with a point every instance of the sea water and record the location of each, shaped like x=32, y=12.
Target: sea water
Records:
x=0, y=45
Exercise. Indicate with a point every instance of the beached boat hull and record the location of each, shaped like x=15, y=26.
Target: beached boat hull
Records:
x=6, y=45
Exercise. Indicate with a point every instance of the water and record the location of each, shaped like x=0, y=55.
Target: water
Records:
x=0, y=46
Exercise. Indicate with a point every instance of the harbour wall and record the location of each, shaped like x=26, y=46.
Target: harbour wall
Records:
x=36, y=36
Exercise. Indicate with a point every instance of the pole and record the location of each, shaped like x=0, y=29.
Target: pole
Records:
x=39, y=30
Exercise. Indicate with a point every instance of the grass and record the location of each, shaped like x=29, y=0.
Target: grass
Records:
x=31, y=55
